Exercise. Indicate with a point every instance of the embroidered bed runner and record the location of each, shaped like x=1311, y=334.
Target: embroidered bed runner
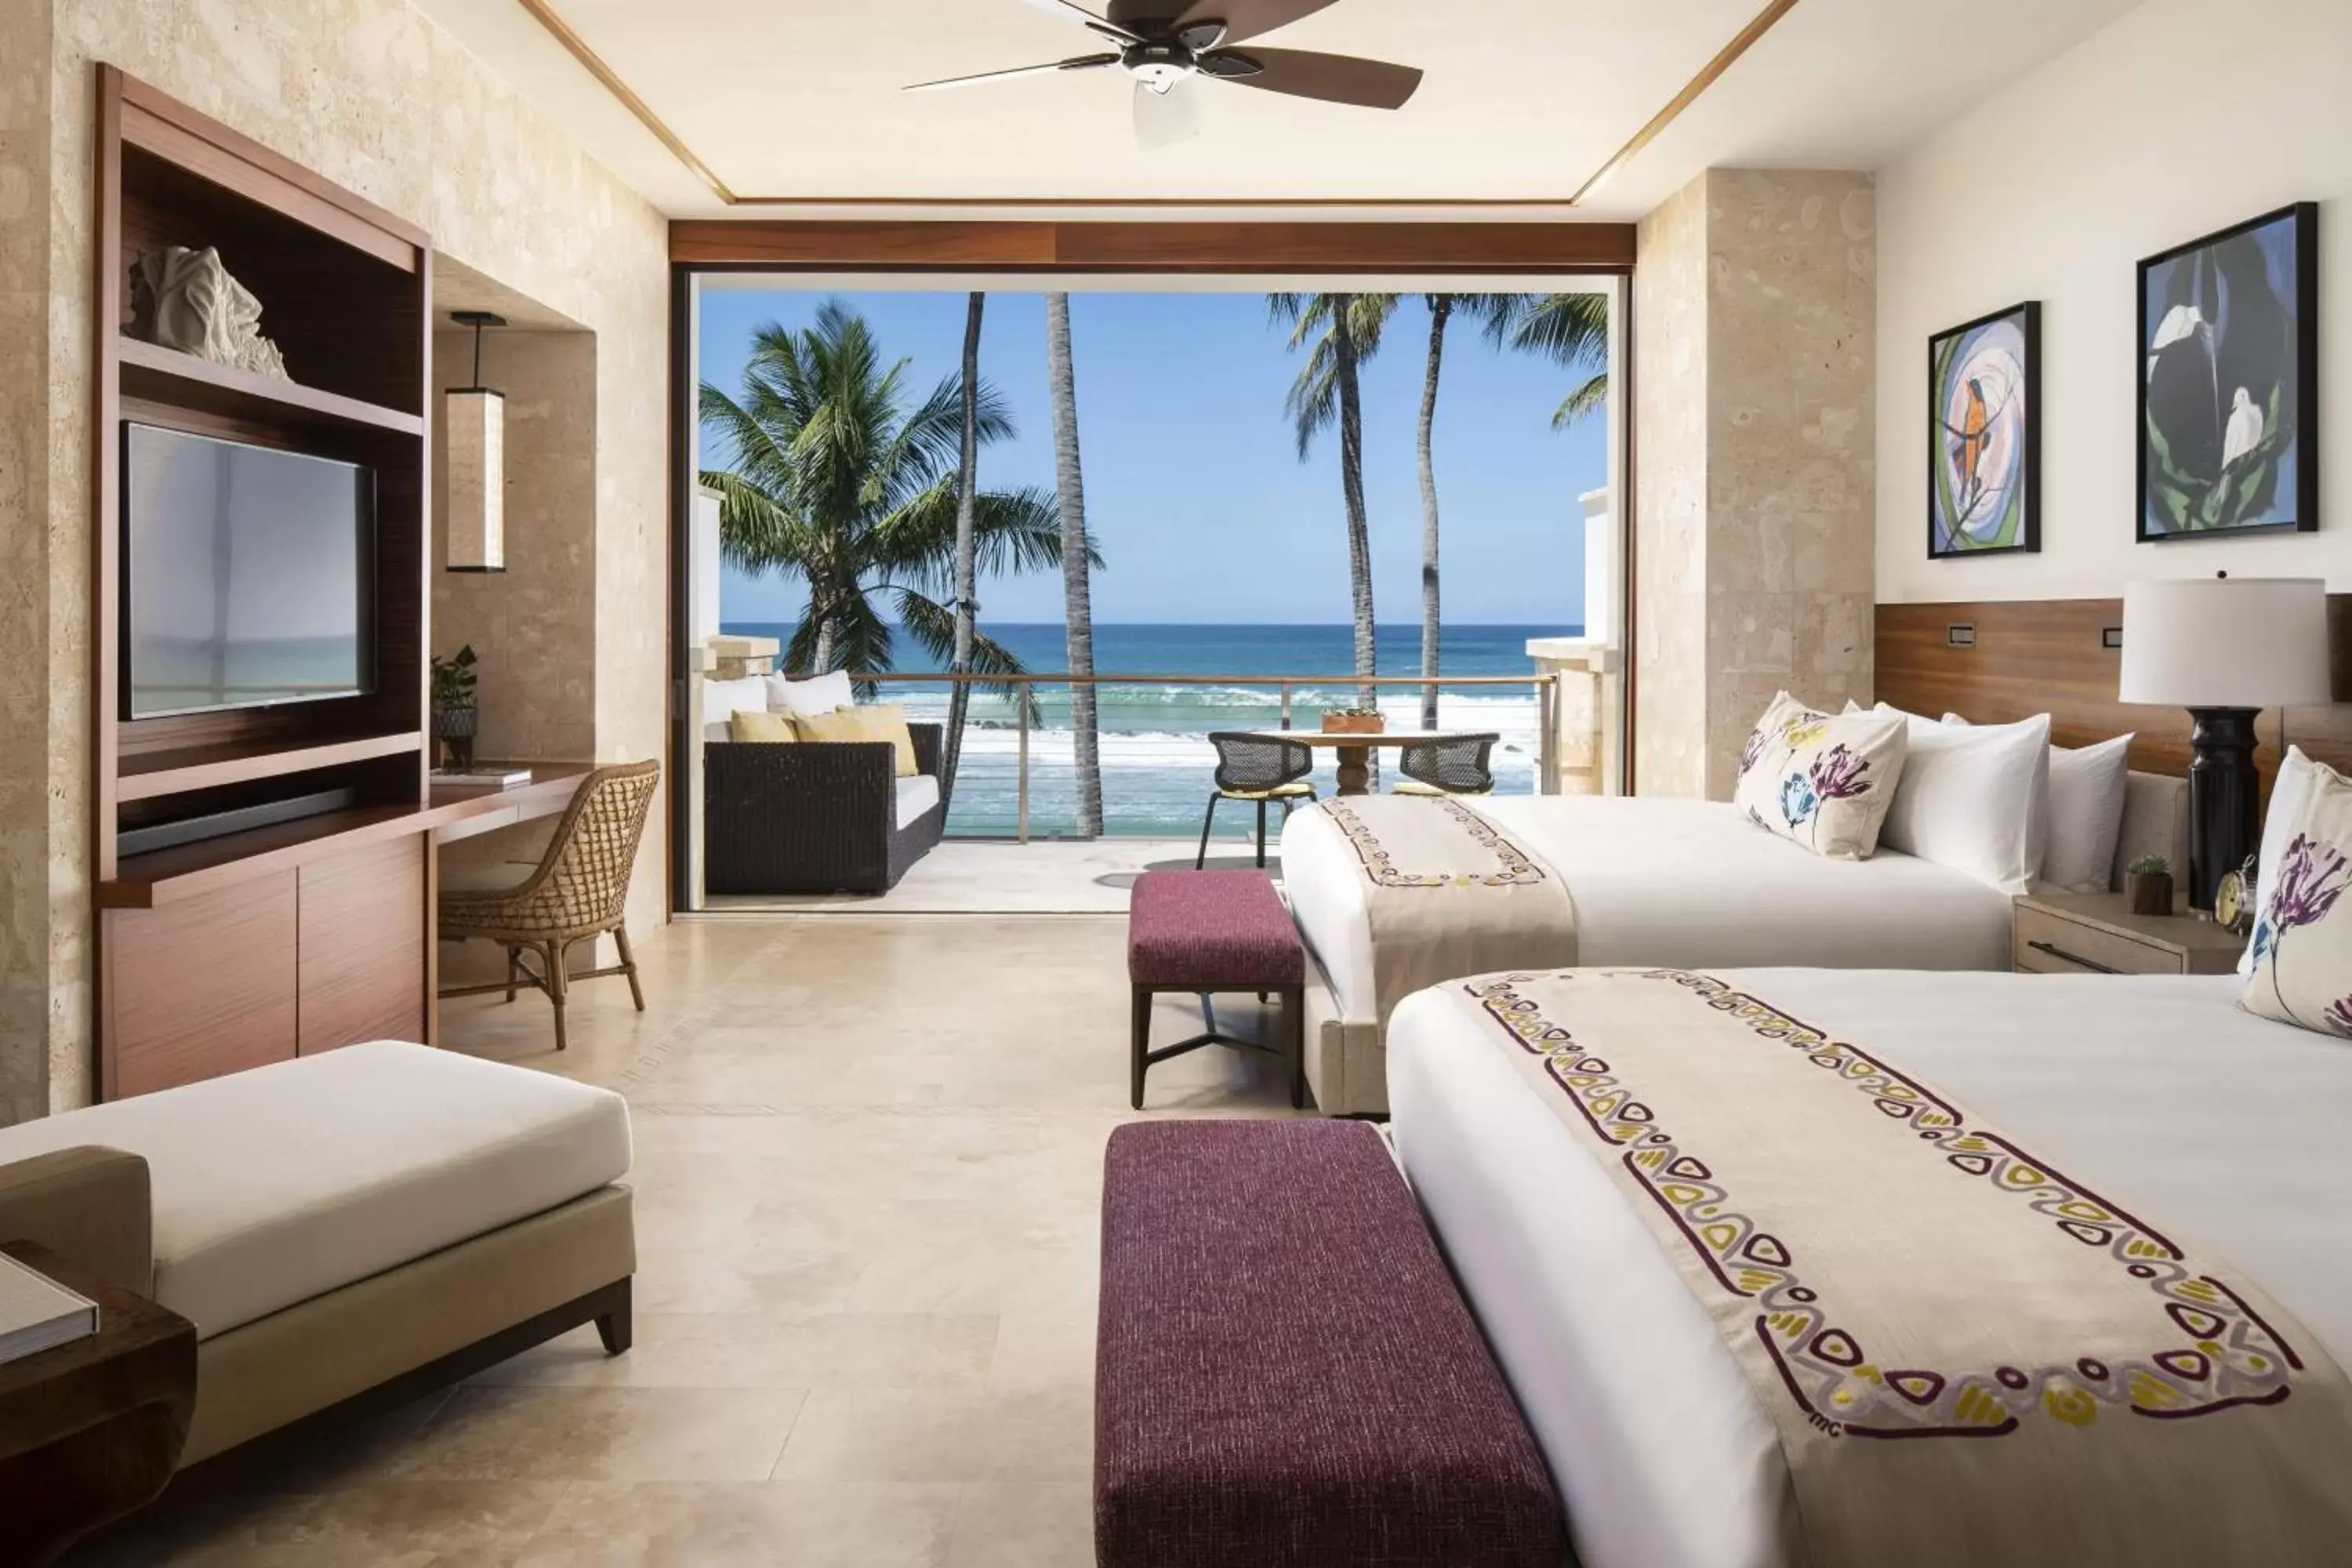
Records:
x=1446, y=894
x=1970, y=1357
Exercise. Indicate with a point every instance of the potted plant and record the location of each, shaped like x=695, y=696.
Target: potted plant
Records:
x=457, y=711
x=2148, y=884
x=1354, y=721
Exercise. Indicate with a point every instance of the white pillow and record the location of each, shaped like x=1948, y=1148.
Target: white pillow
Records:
x=1821, y=780
x=2087, y=786
x=818, y=694
x=2295, y=780
x=1974, y=797
x=722, y=698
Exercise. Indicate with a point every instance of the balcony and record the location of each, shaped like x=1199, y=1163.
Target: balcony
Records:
x=1016, y=840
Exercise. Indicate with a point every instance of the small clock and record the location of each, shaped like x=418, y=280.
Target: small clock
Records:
x=2233, y=900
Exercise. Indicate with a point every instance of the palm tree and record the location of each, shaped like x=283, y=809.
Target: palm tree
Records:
x=1339, y=331
x=825, y=472
x=1442, y=306
x=1078, y=610
x=1570, y=330
x=967, y=566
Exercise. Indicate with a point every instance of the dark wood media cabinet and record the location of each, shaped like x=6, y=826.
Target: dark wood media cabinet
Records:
x=304, y=935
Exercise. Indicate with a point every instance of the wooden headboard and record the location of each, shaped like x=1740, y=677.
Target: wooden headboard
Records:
x=2048, y=656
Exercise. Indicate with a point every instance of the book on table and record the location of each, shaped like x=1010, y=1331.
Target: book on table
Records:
x=486, y=778
x=37, y=1313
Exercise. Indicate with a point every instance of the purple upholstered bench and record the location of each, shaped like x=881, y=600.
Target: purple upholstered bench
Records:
x=1285, y=1376
x=1206, y=932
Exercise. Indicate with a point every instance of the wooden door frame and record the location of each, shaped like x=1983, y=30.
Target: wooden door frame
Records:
x=1105, y=247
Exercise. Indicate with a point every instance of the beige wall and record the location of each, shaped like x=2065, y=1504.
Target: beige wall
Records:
x=534, y=626
x=25, y=869
x=374, y=97
x=2178, y=118
x=1755, y=329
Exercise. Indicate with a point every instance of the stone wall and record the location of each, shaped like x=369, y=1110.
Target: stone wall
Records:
x=374, y=97
x=1757, y=482
x=534, y=625
x=26, y=992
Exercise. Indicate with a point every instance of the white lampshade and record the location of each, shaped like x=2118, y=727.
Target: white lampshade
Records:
x=2226, y=642
x=476, y=477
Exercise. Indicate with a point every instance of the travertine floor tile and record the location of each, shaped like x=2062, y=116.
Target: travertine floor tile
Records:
x=1024, y=1524
x=604, y=1433
x=761, y=1525
x=695, y=1350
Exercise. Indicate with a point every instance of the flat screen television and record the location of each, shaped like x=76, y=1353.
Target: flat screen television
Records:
x=246, y=573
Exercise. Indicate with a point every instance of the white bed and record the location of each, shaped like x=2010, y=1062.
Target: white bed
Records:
x=1684, y=1467
x=1679, y=883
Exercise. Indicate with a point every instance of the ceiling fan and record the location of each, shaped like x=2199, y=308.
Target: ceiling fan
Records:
x=1162, y=43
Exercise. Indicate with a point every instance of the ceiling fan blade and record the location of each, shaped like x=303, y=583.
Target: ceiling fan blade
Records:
x=1242, y=18
x=1076, y=63
x=1334, y=78
x=1165, y=119
x=1109, y=27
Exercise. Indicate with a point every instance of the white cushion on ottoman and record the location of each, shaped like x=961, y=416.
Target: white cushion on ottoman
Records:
x=285, y=1182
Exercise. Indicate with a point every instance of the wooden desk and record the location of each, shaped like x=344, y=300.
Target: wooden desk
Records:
x=91, y=1430
x=461, y=812
x=1355, y=751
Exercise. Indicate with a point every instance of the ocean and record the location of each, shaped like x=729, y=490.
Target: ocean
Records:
x=1155, y=752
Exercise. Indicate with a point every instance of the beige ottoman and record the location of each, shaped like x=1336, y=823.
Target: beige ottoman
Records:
x=346, y=1229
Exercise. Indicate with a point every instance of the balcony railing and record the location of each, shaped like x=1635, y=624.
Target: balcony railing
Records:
x=1019, y=776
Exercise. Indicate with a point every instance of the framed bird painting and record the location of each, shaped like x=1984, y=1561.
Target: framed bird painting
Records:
x=2229, y=373
x=1984, y=434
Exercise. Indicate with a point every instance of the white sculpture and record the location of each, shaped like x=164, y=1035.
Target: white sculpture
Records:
x=186, y=299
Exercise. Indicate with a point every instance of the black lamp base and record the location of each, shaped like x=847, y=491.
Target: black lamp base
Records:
x=2224, y=798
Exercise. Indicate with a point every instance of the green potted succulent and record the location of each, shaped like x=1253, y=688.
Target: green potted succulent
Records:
x=457, y=710
x=2148, y=884
x=1354, y=721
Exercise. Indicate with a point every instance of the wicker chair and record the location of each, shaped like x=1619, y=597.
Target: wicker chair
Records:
x=1456, y=766
x=576, y=892
x=1261, y=769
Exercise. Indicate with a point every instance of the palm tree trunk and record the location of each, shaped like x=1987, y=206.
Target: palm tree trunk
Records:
x=1351, y=484
x=967, y=583
x=1441, y=307
x=1078, y=608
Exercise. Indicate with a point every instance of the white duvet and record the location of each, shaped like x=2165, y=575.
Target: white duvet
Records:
x=1682, y=883
x=2222, y=1128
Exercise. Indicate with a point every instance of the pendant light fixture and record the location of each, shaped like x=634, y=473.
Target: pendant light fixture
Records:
x=476, y=463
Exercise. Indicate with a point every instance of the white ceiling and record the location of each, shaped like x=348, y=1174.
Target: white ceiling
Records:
x=1523, y=100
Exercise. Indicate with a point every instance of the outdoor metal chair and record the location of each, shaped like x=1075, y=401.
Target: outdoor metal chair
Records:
x=1456, y=766
x=1260, y=769
x=575, y=894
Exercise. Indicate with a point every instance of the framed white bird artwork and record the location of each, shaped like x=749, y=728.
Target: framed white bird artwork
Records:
x=2228, y=374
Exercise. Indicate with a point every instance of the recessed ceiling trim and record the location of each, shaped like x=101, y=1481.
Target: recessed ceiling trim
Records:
x=1730, y=52
x=544, y=14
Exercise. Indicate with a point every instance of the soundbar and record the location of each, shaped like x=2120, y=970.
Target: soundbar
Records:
x=219, y=824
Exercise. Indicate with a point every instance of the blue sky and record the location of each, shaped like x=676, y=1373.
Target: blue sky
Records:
x=1200, y=506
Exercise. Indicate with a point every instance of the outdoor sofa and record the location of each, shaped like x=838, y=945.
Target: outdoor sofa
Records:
x=794, y=817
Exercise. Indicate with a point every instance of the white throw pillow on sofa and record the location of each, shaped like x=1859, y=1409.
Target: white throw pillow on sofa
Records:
x=1974, y=797
x=2087, y=786
x=817, y=694
x=722, y=700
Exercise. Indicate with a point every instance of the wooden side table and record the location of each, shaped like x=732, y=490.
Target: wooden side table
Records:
x=2096, y=933
x=91, y=1430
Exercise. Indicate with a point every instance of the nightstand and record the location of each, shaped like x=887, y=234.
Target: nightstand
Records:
x=2096, y=933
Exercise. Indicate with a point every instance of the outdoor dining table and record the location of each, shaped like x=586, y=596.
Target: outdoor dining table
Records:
x=1355, y=751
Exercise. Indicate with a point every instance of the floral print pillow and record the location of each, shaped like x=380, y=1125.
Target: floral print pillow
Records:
x=1822, y=780
x=2302, y=932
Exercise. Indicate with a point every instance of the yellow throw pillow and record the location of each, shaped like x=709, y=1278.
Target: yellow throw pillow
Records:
x=878, y=721
x=759, y=725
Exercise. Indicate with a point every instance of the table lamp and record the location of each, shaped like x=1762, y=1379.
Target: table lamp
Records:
x=2225, y=647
